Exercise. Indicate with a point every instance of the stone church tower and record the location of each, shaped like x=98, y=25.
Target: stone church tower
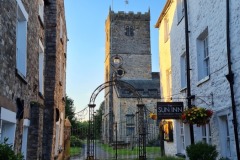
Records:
x=128, y=44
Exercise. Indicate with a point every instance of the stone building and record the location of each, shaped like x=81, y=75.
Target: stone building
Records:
x=213, y=29
x=128, y=56
x=32, y=76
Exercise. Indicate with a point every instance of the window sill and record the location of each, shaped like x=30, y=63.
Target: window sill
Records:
x=41, y=21
x=183, y=89
x=180, y=20
x=41, y=95
x=21, y=76
x=205, y=79
x=180, y=155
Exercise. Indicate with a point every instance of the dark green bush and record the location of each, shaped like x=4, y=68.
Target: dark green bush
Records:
x=202, y=151
x=75, y=142
x=7, y=153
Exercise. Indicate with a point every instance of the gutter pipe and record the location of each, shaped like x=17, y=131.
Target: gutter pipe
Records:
x=230, y=78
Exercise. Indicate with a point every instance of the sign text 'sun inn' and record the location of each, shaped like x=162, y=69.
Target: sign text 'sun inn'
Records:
x=169, y=110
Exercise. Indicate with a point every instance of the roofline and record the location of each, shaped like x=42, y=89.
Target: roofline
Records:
x=163, y=13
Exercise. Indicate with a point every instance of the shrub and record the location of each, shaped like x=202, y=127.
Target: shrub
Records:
x=75, y=142
x=202, y=151
x=6, y=151
x=169, y=158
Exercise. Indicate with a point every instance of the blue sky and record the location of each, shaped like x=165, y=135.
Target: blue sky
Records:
x=86, y=33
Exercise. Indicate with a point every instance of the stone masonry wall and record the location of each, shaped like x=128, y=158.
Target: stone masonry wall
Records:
x=12, y=86
x=54, y=80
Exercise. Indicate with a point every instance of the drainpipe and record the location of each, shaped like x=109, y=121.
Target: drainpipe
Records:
x=230, y=78
x=189, y=96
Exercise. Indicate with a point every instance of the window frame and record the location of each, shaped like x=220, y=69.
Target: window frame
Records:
x=166, y=29
x=21, y=39
x=41, y=68
x=180, y=10
x=41, y=10
x=183, y=70
x=206, y=134
x=203, y=56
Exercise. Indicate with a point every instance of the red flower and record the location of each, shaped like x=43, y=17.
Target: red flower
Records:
x=183, y=117
x=209, y=113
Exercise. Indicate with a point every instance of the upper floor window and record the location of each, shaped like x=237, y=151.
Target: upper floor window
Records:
x=41, y=10
x=183, y=70
x=129, y=30
x=61, y=28
x=180, y=9
x=169, y=82
x=21, y=39
x=41, y=68
x=203, y=55
x=166, y=29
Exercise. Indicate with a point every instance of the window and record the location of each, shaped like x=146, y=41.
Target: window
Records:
x=183, y=67
x=41, y=68
x=129, y=131
x=166, y=29
x=61, y=28
x=129, y=31
x=203, y=55
x=182, y=143
x=130, y=119
x=169, y=82
x=180, y=9
x=21, y=39
x=206, y=134
x=225, y=140
x=41, y=10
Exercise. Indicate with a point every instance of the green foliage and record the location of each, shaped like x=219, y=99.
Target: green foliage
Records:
x=169, y=158
x=98, y=120
x=202, y=151
x=69, y=111
x=7, y=153
x=75, y=142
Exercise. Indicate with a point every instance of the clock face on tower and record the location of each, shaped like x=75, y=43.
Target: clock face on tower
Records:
x=116, y=62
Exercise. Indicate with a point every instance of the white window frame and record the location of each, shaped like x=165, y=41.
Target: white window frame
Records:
x=180, y=9
x=21, y=39
x=206, y=134
x=183, y=67
x=41, y=68
x=61, y=28
x=166, y=29
x=182, y=138
x=203, y=56
x=225, y=139
x=41, y=10
x=169, y=83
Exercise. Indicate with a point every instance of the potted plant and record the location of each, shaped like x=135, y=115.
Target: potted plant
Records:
x=196, y=115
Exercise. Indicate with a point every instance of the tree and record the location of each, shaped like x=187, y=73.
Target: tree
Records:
x=69, y=111
x=98, y=120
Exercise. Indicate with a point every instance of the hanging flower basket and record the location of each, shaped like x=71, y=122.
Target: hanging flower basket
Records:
x=153, y=116
x=196, y=115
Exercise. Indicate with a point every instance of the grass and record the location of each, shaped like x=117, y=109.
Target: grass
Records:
x=169, y=158
x=127, y=151
x=75, y=151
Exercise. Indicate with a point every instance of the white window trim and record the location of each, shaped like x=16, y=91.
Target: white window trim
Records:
x=61, y=28
x=20, y=4
x=21, y=45
x=41, y=68
x=180, y=10
x=208, y=136
x=166, y=29
x=41, y=10
x=203, y=68
x=183, y=69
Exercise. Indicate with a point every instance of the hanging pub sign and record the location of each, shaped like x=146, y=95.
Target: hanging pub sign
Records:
x=169, y=110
